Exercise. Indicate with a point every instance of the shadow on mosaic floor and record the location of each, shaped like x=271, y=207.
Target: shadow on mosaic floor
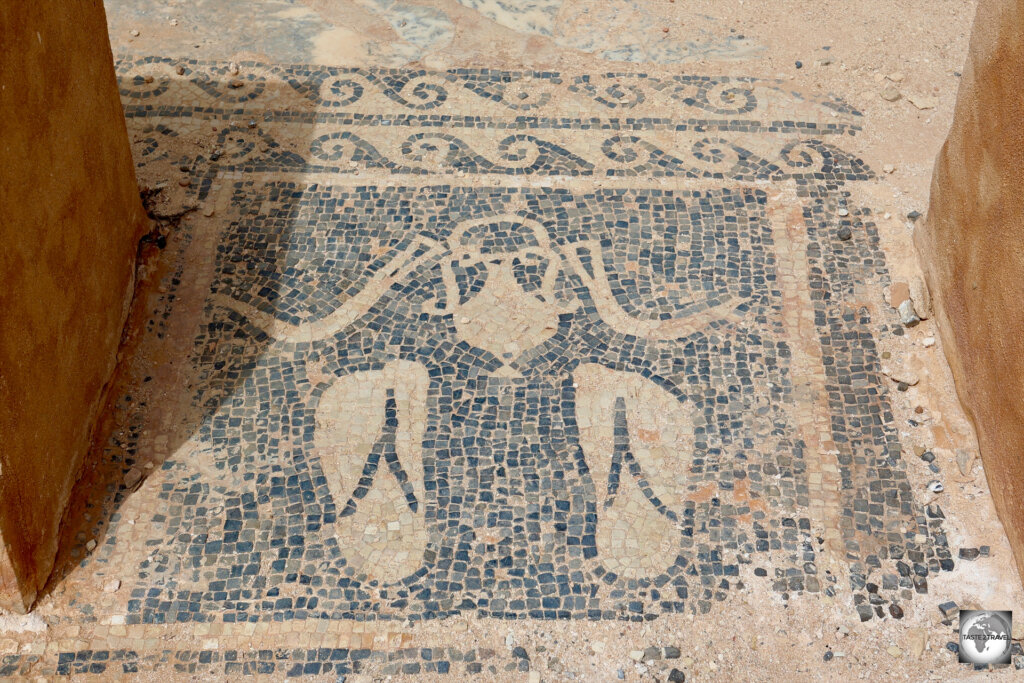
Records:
x=184, y=358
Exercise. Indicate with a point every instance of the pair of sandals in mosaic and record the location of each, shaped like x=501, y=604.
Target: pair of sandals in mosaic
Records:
x=634, y=435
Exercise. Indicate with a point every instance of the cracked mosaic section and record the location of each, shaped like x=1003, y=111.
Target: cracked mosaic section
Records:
x=892, y=544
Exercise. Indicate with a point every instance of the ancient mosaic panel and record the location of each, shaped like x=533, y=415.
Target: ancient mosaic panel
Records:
x=509, y=413
x=524, y=345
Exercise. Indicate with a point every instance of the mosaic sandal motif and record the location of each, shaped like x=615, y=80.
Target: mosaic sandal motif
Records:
x=638, y=462
x=369, y=438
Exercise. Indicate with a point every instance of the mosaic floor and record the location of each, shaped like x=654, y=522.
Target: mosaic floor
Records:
x=522, y=346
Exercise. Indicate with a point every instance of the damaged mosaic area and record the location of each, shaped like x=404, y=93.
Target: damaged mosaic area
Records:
x=522, y=346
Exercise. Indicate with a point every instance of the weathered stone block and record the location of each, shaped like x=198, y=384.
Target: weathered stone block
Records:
x=972, y=251
x=70, y=220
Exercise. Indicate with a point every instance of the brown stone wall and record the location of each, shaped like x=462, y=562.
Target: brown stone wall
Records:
x=972, y=251
x=70, y=219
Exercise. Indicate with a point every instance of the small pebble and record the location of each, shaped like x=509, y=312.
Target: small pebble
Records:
x=890, y=93
x=935, y=487
x=111, y=586
x=185, y=182
x=969, y=554
x=928, y=456
x=965, y=461
x=799, y=64
x=828, y=655
x=914, y=215
x=676, y=676
x=134, y=32
x=90, y=545
x=908, y=316
x=844, y=233
x=923, y=101
x=843, y=212
x=180, y=70
x=896, y=611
